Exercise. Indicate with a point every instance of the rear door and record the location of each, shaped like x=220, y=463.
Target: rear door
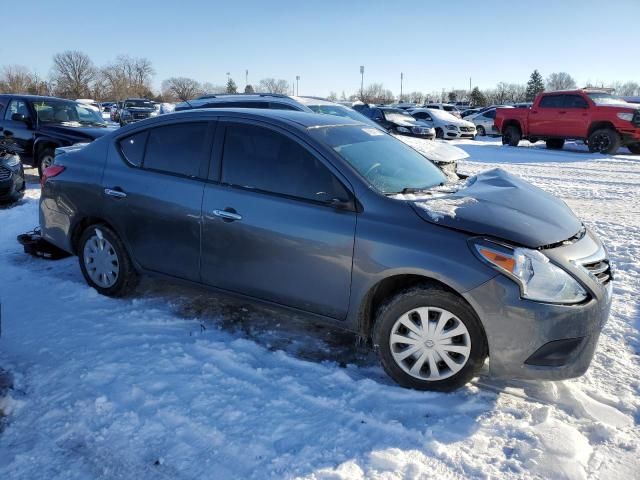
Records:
x=18, y=135
x=269, y=229
x=153, y=186
x=574, y=116
x=543, y=119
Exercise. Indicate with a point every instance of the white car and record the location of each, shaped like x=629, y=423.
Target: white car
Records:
x=484, y=121
x=89, y=103
x=447, y=126
x=452, y=109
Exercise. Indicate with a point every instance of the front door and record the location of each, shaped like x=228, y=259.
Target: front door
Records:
x=18, y=135
x=153, y=186
x=269, y=228
x=575, y=116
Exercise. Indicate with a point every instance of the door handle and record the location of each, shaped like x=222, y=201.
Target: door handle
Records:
x=227, y=215
x=115, y=192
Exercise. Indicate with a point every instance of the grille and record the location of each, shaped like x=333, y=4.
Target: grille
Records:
x=139, y=116
x=466, y=129
x=5, y=173
x=600, y=270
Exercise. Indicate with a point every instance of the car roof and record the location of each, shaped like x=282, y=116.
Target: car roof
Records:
x=34, y=97
x=315, y=101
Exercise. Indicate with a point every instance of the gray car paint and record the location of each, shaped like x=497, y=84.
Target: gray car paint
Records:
x=301, y=257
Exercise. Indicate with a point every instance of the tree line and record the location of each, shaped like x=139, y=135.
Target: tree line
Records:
x=74, y=75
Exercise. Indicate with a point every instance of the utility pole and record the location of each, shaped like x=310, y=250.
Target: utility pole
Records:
x=246, y=77
x=362, y=82
x=297, y=86
x=401, y=78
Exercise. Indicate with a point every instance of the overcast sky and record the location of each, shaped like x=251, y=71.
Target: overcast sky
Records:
x=435, y=44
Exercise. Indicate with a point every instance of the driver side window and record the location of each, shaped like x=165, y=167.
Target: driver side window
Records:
x=16, y=106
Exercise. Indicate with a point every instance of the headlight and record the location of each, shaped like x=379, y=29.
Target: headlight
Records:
x=451, y=127
x=538, y=278
x=153, y=114
x=125, y=113
x=625, y=116
x=402, y=129
x=419, y=130
x=12, y=160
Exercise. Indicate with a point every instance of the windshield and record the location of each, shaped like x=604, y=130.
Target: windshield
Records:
x=138, y=104
x=603, y=98
x=397, y=116
x=341, y=111
x=384, y=162
x=67, y=113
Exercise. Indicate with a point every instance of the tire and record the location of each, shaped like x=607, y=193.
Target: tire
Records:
x=45, y=159
x=533, y=139
x=403, y=307
x=480, y=131
x=634, y=148
x=604, y=140
x=555, y=143
x=439, y=133
x=126, y=277
x=511, y=136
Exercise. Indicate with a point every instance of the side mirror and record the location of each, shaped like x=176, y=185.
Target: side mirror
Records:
x=19, y=117
x=342, y=204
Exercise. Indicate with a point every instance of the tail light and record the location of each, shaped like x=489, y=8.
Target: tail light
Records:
x=50, y=172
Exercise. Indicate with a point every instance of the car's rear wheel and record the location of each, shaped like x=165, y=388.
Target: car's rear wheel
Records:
x=104, y=262
x=604, y=140
x=511, y=136
x=429, y=339
x=45, y=159
x=480, y=131
x=634, y=148
x=555, y=143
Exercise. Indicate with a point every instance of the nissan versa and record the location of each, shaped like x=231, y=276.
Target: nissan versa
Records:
x=337, y=219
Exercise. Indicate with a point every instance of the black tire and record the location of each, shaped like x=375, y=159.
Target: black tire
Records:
x=604, y=140
x=511, y=136
x=127, y=277
x=555, y=143
x=634, y=148
x=480, y=131
x=439, y=133
x=431, y=296
x=533, y=139
x=44, y=156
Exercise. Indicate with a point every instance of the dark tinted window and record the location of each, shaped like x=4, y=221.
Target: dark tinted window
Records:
x=490, y=114
x=551, y=101
x=259, y=158
x=281, y=106
x=132, y=147
x=178, y=148
x=575, y=101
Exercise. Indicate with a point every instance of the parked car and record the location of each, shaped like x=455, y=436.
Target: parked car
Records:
x=245, y=100
x=604, y=122
x=452, y=109
x=347, y=224
x=319, y=105
x=484, y=122
x=114, y=112
x=397, y=121
x=446, y=125
x=405, y=105
x=631, y=99
x=136, y=109
x=36, y=126
x=470, y=111
x=12, y=183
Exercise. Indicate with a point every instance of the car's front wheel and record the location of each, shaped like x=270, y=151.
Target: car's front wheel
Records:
x=604, y=140
x=429, y=339
x=480, y=131
x=105, y=263
x=439, y=133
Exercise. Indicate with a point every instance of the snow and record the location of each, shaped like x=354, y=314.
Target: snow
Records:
x=178, y=383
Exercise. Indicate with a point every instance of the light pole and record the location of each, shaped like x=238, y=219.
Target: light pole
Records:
x=297, y=89
x=362, y=83
x=401, y=78
x=246, y=77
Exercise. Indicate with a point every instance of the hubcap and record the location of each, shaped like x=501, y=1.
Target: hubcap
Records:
x=47, y=161
x=101, y=260
x=601, y=143
x=430, y=343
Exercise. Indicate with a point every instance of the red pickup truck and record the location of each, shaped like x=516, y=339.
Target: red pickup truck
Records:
x=604, y=122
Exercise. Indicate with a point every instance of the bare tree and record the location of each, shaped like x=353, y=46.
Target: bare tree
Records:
x=333, y=96
x=126, y=77
x=16, y=79
x=376, y=93
x=181, y=88
x=271, y=85
x=208, y=87
x=560, y=81
x=627, y=89
x=72, y=74
x=415, y=97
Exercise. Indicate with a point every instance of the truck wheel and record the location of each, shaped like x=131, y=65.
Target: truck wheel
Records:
x=555, y=143
x=533, y=139
x=429, y=339
x=511, y=136
x=604, y=140
x=634, y=148
x=45, y=159
x=105, y=263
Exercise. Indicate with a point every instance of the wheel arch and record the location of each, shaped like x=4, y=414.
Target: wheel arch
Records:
x=43, y=143
x=81, y=225
x=600, y=124
x=511, y=123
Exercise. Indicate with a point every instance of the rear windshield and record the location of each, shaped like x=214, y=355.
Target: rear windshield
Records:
x=384, y=162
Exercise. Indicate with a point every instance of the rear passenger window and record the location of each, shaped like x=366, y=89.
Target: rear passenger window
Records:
x=261, y=159
x=178, y=148
x=280, y=106
x=132, y=148
x=551, y=101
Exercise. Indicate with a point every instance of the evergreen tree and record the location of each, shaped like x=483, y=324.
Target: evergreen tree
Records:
x=535, y=85
x=249, y=89
x=231, y=86
x=477, y=98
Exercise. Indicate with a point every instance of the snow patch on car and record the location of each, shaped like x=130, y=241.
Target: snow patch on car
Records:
x=438, y=208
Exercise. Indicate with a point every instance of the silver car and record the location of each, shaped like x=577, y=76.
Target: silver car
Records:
x=484, y=122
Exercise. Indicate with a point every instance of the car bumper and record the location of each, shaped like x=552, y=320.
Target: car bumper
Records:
x=12, y=188
x=458, y=134
x=630, y=136
x=533, y=340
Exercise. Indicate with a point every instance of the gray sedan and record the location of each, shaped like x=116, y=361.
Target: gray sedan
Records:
x=343, y=222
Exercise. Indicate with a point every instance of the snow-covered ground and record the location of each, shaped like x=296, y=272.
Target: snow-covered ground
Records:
x=177, y=383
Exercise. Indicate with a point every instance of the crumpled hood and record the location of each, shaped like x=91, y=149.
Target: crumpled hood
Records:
x=498, y=204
